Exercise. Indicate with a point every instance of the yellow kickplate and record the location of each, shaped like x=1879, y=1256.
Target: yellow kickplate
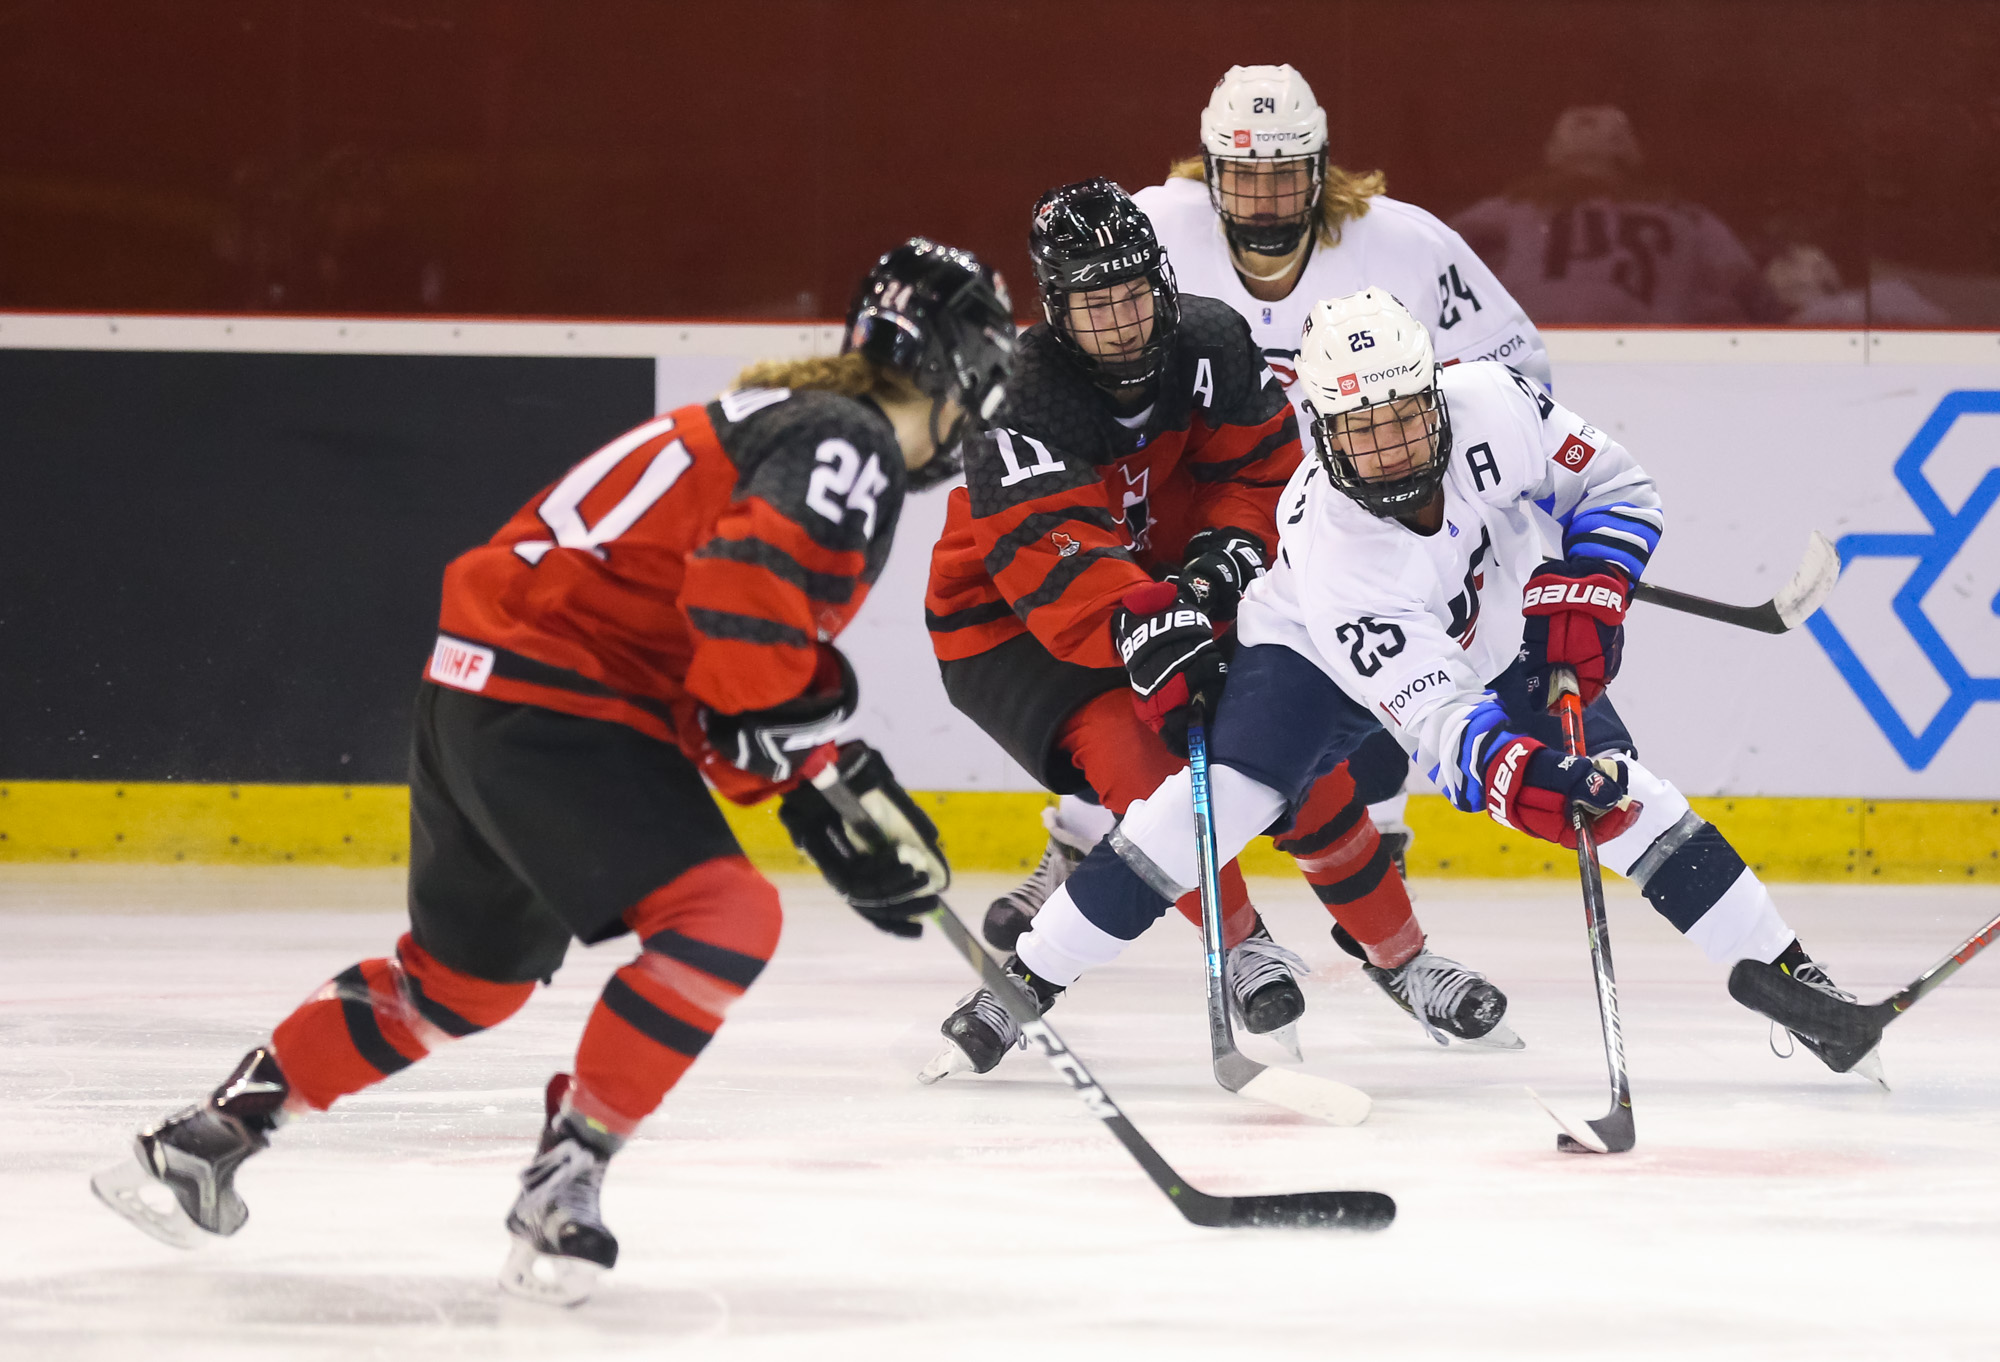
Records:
x=1899, y=841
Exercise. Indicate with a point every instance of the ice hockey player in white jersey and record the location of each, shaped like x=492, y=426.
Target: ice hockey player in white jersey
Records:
x=1414, y=592
x=1264, y=221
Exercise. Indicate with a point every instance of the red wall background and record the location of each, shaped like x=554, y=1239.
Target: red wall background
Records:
x=644, y=158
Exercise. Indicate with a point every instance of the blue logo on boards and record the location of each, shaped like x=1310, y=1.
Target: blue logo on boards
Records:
x=1933, y=556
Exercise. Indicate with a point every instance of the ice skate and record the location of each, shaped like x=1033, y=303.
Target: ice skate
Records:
x=560, y=1242
x=1838, y=1054
x=181, y=1182
x=981, y=1031
x=1264, y=993
x=1448, y=1000
x=1014, y=911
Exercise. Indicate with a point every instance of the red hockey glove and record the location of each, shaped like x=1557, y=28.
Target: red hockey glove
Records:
x=1532, y=789
x=776, y=744
x=1170, y=652
x=1575, y=611
x=1218, y=567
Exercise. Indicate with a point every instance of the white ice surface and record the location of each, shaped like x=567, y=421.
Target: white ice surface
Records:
x=802, y=1197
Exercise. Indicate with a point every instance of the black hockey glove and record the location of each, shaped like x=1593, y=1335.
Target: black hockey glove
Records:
x=1220, y=565
x=770, y=743
x=1170, y=653
x=890, y=873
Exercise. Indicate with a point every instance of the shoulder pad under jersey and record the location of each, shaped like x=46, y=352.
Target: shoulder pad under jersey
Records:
x=1051, y=398
x=1218, y=371
x=822, y=460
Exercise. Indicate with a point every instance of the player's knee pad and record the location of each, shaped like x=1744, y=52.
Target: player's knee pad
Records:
x=379, y=1017
x=708, y=934
x=451, y=1001
x=1331, y=811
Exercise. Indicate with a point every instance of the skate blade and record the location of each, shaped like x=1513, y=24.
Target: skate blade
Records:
x=1869, y=1066
x=948, y=1061
x=1501, y=1037
x=547, y=1278
x=1320, y=1098
x=1284, y=1040
x=134, y=1193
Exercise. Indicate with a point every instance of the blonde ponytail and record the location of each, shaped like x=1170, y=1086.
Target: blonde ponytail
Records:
x=850, y=374
x=1345, y=197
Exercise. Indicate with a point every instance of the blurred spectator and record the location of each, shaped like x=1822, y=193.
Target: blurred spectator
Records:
x=1806, y=284
x=1587, y=239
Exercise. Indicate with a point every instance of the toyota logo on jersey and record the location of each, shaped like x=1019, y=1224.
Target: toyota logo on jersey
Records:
x=1350, y=384
x=1242, y=138
x=1574, y=453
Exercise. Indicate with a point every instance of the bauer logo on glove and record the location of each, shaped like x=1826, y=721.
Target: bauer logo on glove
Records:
x=1171, y=656
x=1574, y=616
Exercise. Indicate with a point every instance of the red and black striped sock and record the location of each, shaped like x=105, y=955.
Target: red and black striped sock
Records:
x=707, y=936
x=1350, y=871
x=381, y=1016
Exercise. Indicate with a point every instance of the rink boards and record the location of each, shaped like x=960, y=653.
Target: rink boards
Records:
x=1853, y=840
x=262, y=566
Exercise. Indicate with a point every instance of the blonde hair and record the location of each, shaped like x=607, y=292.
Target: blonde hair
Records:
x=1344, y=198
x=850, y=375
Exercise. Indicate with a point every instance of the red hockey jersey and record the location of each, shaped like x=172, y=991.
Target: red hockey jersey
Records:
x=696, y=561
x=1065, y=509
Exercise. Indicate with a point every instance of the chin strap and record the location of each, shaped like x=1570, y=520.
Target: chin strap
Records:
x=1279, y=273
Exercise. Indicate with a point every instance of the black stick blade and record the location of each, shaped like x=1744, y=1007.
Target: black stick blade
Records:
x=1615, y=1135
x=1312, y=1211
x=1805, y=1010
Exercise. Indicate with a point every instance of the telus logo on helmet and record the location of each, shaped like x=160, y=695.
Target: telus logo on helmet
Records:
x=1083, y=274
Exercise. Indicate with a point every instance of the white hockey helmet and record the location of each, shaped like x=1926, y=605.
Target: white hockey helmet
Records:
x=1379, y=424
x=1266, y=115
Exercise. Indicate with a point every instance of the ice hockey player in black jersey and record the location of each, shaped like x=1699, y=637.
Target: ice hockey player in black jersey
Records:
x=1115, y=513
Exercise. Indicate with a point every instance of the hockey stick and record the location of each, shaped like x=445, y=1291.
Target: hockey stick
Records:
x=1818, y=571
x=1309, y=1096
x=1830, y=1020
x=1283, y=1210
x=1613, y=1132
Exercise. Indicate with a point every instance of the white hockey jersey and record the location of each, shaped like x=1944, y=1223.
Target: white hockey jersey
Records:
x=1395, y=246
x=1414, y=627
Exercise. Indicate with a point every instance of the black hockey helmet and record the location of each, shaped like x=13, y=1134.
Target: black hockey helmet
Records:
x=1088, y=238
x=942, y=319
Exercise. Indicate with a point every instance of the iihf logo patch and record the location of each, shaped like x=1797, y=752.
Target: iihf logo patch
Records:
x=1574, y=454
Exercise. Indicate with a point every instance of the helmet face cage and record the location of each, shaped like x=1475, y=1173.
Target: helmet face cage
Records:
x=1119, y=331
x=944, y=321
x=1092, y=246
x=1275, y=199
x=1406, y=441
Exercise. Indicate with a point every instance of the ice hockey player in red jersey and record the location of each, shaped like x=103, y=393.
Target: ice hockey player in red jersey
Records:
x=1120, y=504
x=662, y=613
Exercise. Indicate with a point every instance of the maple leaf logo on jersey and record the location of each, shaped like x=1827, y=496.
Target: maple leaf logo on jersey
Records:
x=1065, y=546
x=1574, y=454
x=1349, y=385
